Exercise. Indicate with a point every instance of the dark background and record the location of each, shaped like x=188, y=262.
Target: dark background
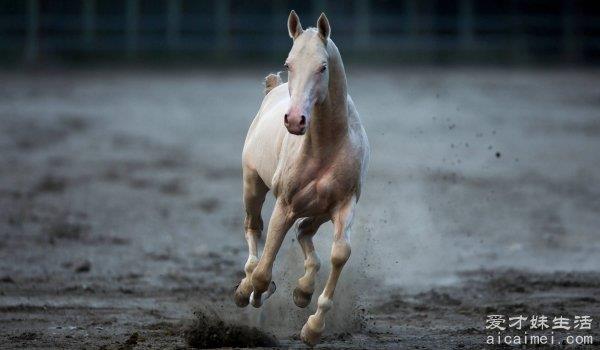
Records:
x=428, y=31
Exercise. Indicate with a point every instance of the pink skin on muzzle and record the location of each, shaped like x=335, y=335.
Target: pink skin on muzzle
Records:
x=296, y=120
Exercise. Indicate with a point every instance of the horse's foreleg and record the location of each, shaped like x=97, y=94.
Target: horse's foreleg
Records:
x=340, y=252
x=280, y=223
x=254, y=196
x=307, y=228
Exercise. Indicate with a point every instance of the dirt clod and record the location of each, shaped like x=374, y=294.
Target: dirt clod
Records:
x=172, y=187
x=25, y=336
x=208, y=205
x=66, y=229
x=82, y=266
x=209, y=331
x=6, y=279
x=130, y=342
x=50, y=183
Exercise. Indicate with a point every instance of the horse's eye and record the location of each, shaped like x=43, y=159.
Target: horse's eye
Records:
x=286, y=66
x=322, y=69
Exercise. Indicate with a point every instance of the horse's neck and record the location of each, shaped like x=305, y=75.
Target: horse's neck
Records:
x=329, y=125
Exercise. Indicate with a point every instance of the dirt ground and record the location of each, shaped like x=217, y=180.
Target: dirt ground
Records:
x=121, y=213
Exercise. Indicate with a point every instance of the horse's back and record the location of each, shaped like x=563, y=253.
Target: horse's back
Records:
x=359, y=139
x=266, y=134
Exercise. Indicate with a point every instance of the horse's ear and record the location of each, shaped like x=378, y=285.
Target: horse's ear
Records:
x=323, y=26
x=294, y=26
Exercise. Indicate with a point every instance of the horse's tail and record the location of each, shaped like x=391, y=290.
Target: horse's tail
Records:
x=272, y=81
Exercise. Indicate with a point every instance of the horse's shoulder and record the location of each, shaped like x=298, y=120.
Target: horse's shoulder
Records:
x=277, y=92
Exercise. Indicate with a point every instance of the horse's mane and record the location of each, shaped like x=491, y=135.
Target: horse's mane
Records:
x=272, y=81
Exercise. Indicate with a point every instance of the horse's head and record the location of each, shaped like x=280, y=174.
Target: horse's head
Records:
x=308, y=74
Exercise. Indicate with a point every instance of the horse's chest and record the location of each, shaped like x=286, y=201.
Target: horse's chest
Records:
x=313, y=191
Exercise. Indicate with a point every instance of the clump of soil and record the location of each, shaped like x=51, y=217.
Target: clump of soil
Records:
x=50, y=183
x=66, y=229
x=83, y=266
x=131, y=342
x=172, y=187
x=6, y=279
x=209, y=331
x=78, y=266
x=74, y=123
x=208, y=205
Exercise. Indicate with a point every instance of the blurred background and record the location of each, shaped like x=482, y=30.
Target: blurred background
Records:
x=121, y=129
x=425, y=31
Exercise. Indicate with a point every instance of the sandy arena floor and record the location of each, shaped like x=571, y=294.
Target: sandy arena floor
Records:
x=121, y=213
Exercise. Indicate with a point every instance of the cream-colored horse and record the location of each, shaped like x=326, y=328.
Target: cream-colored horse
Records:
x=307, y=144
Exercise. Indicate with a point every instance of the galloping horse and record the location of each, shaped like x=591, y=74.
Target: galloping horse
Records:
x=308, y=146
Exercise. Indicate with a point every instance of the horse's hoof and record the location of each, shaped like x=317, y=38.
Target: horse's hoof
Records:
x=308, y=336
x=271, y=290
x=240, y=299
x=257, y=302
x=301, y=298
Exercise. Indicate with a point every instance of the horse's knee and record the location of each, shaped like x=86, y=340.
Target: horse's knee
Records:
x=312, y=263
x=340, y=253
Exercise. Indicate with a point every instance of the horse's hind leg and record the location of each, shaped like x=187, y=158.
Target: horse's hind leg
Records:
x=340, y=252
x=255, y=191
x=307, y=227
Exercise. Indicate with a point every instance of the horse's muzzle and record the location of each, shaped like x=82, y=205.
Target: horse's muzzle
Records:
x=295, y=124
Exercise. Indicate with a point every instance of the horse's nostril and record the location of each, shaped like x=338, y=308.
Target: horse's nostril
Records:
x=285, y=118
x=303, y=120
